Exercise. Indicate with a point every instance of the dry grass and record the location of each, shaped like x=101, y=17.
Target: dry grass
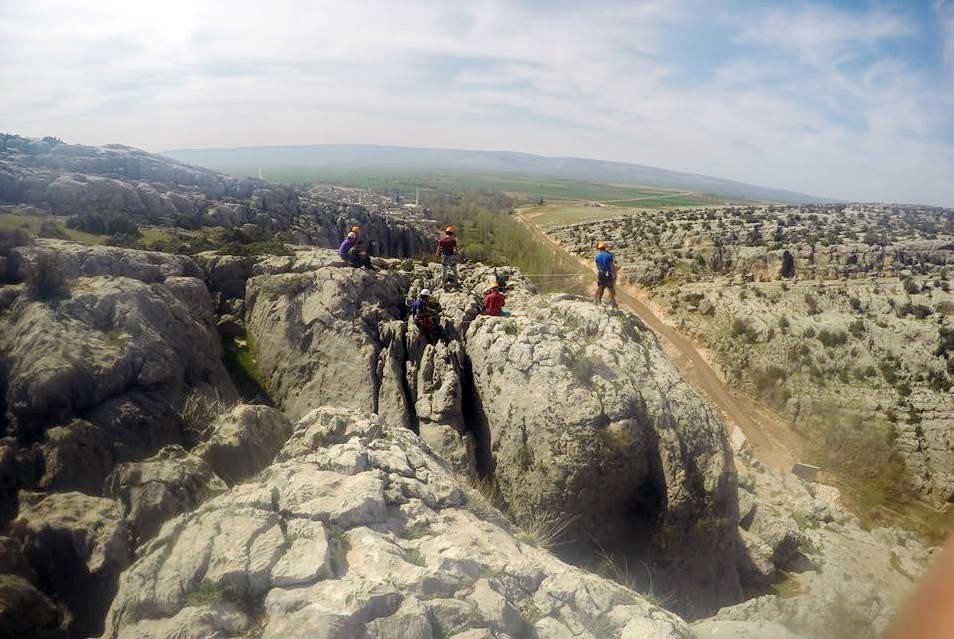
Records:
x=199, y=413
x=544, y=529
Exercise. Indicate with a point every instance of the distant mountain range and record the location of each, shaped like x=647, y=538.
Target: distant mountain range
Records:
x=353, y=156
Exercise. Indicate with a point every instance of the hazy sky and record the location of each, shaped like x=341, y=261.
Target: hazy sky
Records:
x=844, y=99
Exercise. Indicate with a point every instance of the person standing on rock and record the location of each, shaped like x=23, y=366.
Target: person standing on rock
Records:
x=605, y=274
x=448, y=255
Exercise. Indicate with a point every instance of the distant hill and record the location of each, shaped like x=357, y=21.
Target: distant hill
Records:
x=390, y=157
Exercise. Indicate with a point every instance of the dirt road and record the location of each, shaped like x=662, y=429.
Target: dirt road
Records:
x=771, y=438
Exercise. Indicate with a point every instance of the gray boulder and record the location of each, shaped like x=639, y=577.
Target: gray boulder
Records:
x=589, y=419
x=358, y=531
x=317, y=333
x=157, y=489
x=243, y=441
x=128, y=340
x=76, y=545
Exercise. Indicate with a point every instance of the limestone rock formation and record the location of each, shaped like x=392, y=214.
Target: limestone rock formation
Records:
x=829, y=576
x=77, y=545
x=588, y=418
x=120, y=351
x=243, y=441
x=301, y=551
x=316, y=333
x=157, y=489
x=144, y=188
x=581, y=413
x=24, y=610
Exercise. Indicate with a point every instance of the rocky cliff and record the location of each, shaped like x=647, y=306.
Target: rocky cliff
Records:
x=401, y=487
x=770, y=243
x=146, y=189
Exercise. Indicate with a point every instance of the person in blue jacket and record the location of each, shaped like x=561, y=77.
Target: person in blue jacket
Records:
x=605, y=274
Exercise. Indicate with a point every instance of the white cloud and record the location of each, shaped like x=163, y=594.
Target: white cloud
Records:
x=818, y=107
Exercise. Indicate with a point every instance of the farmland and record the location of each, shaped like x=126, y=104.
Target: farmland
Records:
x=522, y=188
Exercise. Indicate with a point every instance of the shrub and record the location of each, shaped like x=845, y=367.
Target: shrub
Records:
x=812, y=304
x=53, y=230
x=808, y=333
x=198, y=415
x=12, y=238
x=46, y=279
x=543, y=529
x=856, y=328
x=945, y=342
x=910, y=286
x=919, y=311
x=832, y=339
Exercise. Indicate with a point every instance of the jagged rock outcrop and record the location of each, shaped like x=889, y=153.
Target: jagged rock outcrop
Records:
x=584, y=417
x=94, y=367
x=833, y=241
x=301, y=551
x=152, y=491
x=76, y=545
x=830, y=576
x=316, y=333
x=243, y=441
x=144, y=188
x=121, y=352
x=589, y=419
x=24, y=610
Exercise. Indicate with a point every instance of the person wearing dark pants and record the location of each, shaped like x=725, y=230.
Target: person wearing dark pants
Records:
x=605, y=274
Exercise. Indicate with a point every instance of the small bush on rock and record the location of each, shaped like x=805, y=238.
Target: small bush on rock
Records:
x=198, y=414
x=46, y=279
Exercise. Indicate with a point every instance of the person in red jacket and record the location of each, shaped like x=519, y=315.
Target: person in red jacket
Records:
x=494, y=301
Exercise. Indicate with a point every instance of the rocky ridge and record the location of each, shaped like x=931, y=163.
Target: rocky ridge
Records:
x=57, y=179
x=805, y=307
x=360, y=518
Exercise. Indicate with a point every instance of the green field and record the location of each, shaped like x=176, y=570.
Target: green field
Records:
x=522, y=188
x=556, y=214
x=32, y=223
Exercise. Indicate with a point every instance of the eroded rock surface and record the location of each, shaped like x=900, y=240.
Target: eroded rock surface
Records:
x=588, y=419
x=154, y=490
x=303, y=549
x=128, y=337
x=830, y=577
x=244, y=441
x=76, y=545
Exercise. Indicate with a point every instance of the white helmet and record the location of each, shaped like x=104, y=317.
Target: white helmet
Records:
x=425, y=292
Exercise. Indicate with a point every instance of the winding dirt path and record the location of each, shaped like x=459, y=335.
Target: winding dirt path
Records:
x=772, y=439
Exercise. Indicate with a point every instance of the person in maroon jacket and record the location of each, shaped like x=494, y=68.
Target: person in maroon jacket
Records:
x=494, y=301
x=448, y=255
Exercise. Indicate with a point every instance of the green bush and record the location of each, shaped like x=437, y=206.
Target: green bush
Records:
x=857, y=328
x=46, y=280
x=812, y=304
x=13, y=238
x=832, y=339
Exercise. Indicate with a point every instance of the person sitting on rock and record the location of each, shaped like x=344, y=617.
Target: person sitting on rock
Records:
x=605, y=273
x=351, y=251
x=494, y=301
x=426, y=313
x=448, y=255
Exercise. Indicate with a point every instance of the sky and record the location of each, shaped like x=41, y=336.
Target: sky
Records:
x=852, y=100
